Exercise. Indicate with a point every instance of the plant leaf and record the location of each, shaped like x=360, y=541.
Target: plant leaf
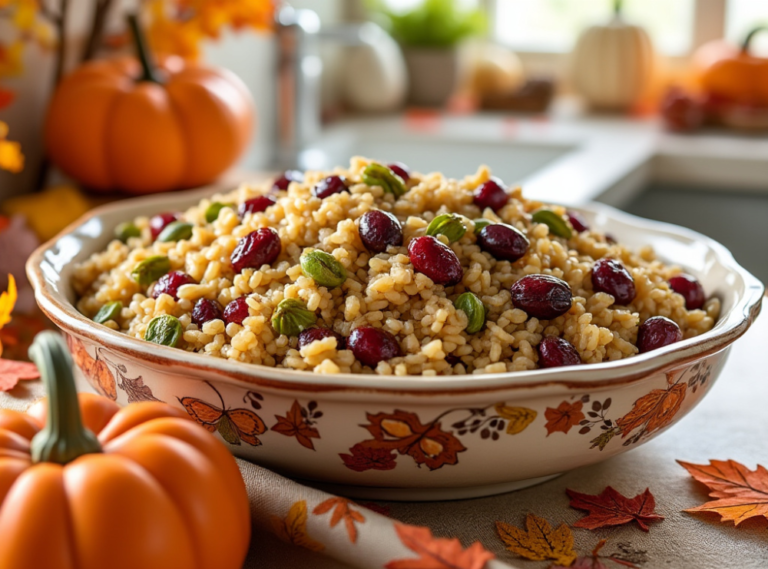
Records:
x=437, y=553
x=655, y=410
x=293, y=529
x=611, y=508
x=519, y=417
x=539, y=542
x=566, y=415
x=12, y=371
x=741, y=493
x=342, y=510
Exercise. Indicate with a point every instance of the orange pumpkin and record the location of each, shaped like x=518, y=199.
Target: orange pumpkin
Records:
x=151, y=490
x=733, y=74
x=130, y=125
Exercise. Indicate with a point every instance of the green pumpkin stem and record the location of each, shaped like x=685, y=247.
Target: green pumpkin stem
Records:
x=750, y=35
x=64, y=438
x=617, y=6
x=148, y=69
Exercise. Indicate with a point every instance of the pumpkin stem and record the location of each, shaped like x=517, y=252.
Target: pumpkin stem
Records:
x=64, y=438
x=617, y=6
x=750, y=35
x=148, y=70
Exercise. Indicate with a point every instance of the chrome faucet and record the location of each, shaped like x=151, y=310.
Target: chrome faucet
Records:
x=298, y=74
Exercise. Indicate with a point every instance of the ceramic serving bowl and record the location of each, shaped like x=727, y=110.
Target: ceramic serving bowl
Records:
x=413, y=438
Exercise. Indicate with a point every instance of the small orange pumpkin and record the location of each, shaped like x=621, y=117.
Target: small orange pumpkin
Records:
x=134, y=126
x=733, y=74
x=152, y=490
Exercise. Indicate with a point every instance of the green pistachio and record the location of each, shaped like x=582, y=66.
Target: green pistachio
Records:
x=212, y=213
x=323, y=268
x=151, y=269
x=480, y=223
x=378, y=175
x=448, y=224
x=473, y=307
x=556, y=223
x=126, y=230
x=110, y=311
x=291, y=317
x=175, y=231
x=164, y=330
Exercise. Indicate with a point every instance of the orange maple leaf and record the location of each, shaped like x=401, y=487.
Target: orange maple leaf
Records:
x=294, y=425
x=566, y=415
x=655, y=410
x=437, y=553
x=741, y=493
x=342, y=510
x=11, y=372
x=539, y=542
x=293, y=528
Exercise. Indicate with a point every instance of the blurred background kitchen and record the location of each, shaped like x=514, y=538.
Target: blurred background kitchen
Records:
x=659, y=107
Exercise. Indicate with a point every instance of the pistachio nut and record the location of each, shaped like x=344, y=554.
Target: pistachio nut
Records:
x=126, y=230
x=480, y=223
x=212, y=213
x=473, y=307
x=164, y=330
x=448, y=224
x=151, y=269
x=175, y=231
x=556, y=223
x=323, y=268
x=291, y=317
x=378, y=175
x=110, y=311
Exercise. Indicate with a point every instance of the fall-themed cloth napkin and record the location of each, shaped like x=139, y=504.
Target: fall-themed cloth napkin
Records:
x=300, y=527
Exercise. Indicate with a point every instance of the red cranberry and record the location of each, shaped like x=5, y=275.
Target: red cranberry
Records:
x=610, y=239
x=681, y=112
x=169, y=284
x=206, y=310
x=690, y=288
x=504, y=242
x=453, y=359
x=260, y=247
x=373, y=345
x=436, y=260
x=557, y=352
x=379, y=229
x=577, y=222
x=401, y=170
x=158, y=222
x=282, y=182
x=310, y=335
x=329, y=186
x=255, y=205
x=491, y=194
x=611, y=277
x=236, y=311
x=657, y=332
x=542, y=296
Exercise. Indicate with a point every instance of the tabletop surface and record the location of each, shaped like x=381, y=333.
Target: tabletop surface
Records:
x=730, y=423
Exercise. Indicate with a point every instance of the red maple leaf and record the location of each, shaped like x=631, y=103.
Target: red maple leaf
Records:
x=294, y=425
x=12, y=371
x=437, y=553
x=342, y=510
x=566, y=415
x=610, y=508
x=365, y=457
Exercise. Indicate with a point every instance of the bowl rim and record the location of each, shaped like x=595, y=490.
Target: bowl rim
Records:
x=730, y=327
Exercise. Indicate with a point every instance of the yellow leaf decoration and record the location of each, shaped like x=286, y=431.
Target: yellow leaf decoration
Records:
x=11, y=158
x=293, y=529
x=539, y=541
x=519, y=417
x=8, y=301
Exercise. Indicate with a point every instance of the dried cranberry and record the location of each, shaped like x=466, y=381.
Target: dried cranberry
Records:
x=255, y=205
x=401, y=170
x=329, y=186
x=379, y=229
x=436, y=260
x=260, y=247
x=690, y=288
x=373, y=345
x=610, y=239
x=542, y=296
x=169, y=284
x=492, y=194
x=206, y=310
x=557, y=352
x=310, y=335
x=577, y=221
x=158, y=222
x=610, y=276
x=504, y=242
x=236, y=311
x=453, y=359
x=657, y=332
x=282, y=182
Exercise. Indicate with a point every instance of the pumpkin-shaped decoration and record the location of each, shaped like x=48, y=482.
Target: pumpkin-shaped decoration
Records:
x=612, y=65
x=92, y=486
x=731, y=74
x=138, y=127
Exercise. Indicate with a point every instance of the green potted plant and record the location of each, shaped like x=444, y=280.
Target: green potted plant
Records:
x=429, y=35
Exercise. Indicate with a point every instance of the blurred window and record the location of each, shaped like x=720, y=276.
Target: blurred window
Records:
x=554, y=25
x=741, y=16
